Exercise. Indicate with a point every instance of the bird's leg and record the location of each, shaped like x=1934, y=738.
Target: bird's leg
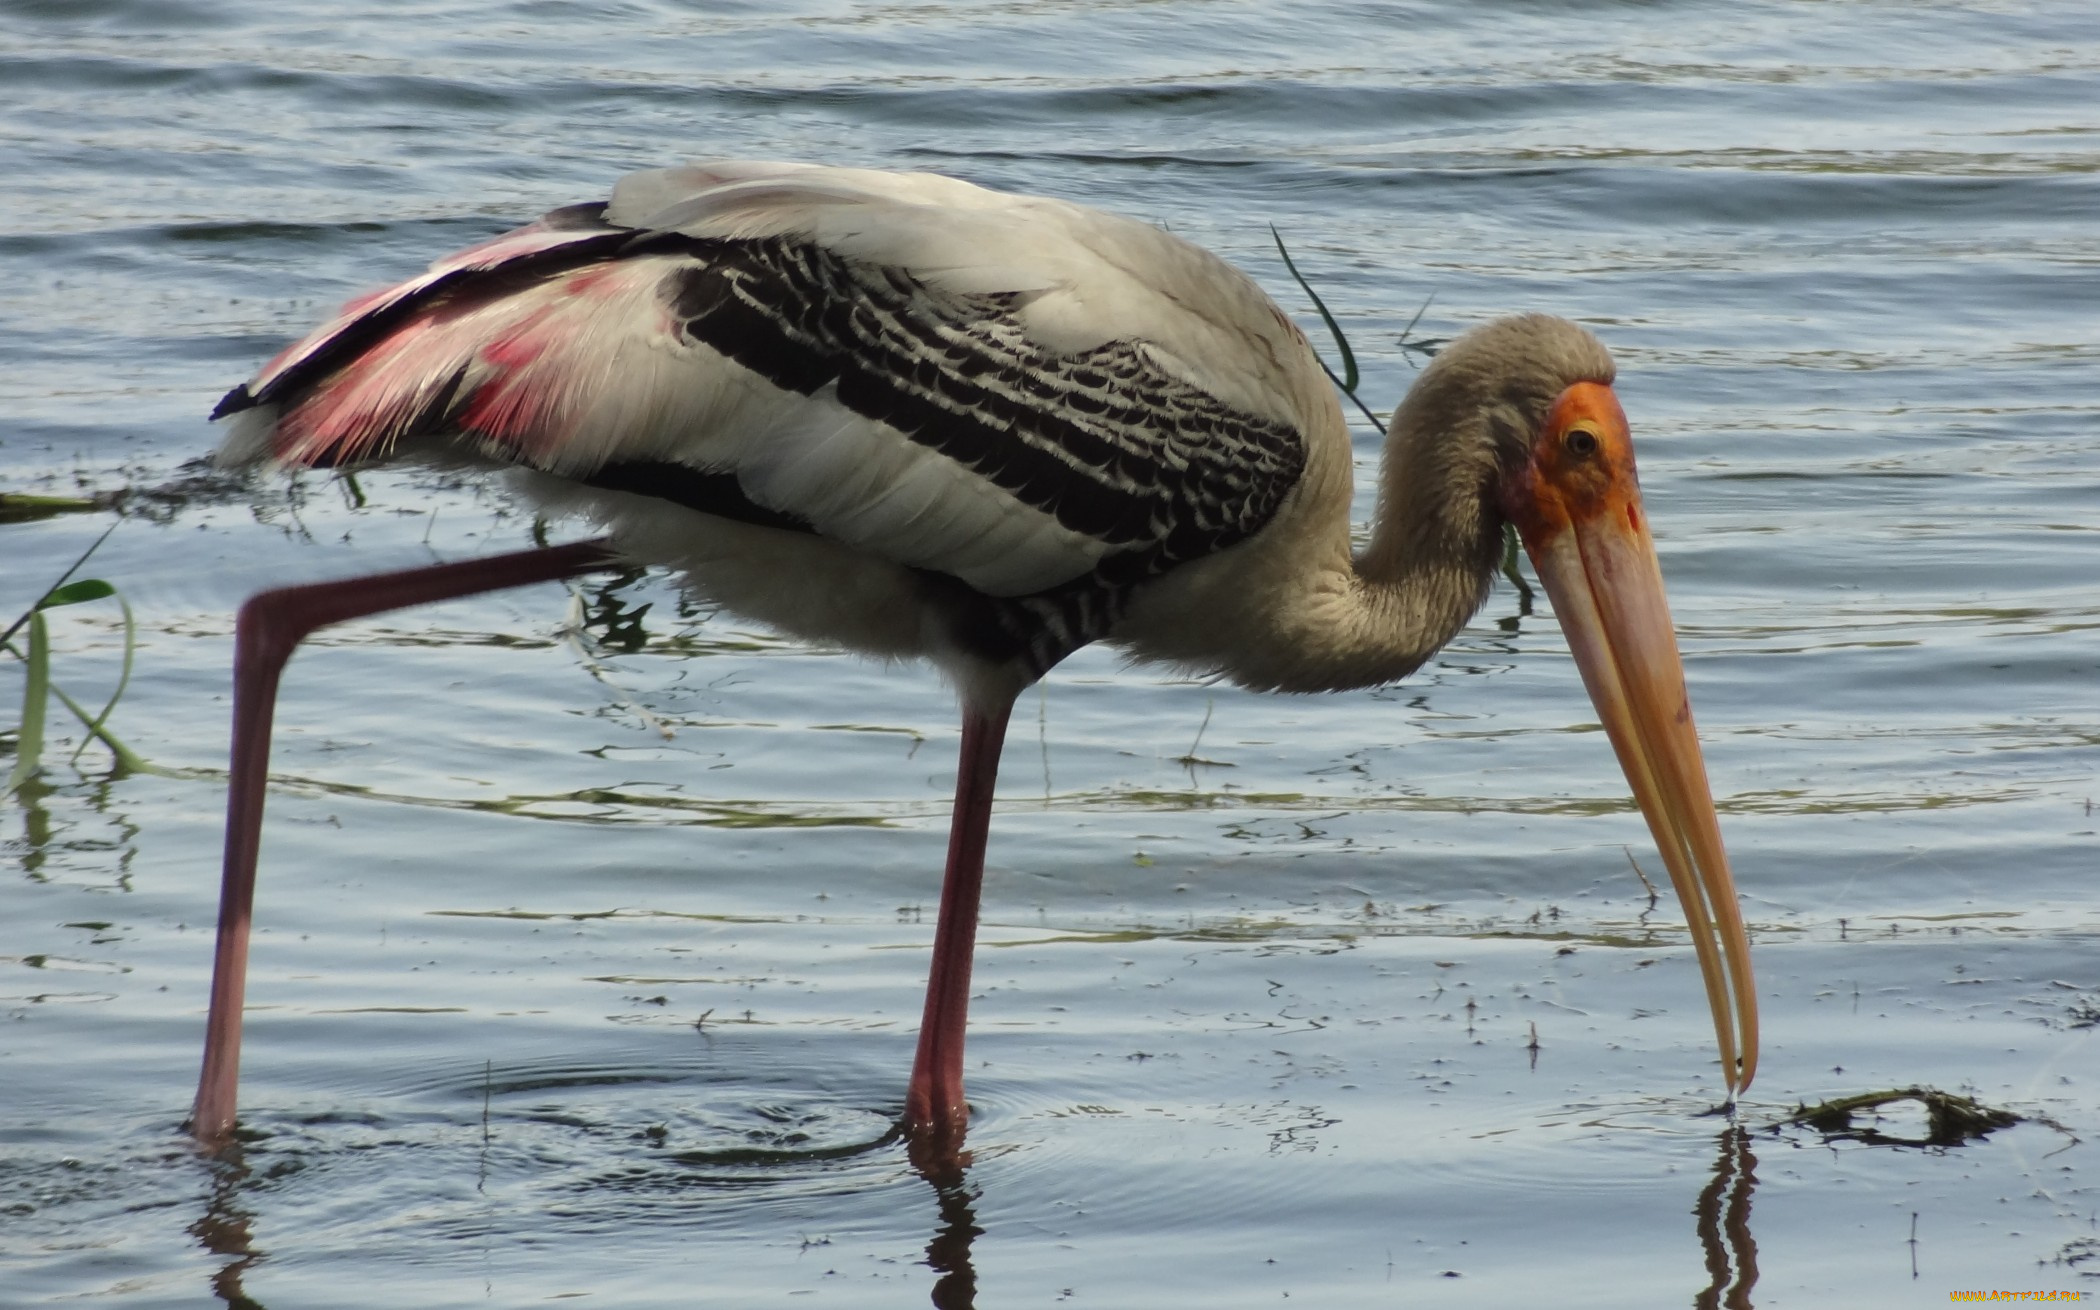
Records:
x=271, y=625
x=935, y=1113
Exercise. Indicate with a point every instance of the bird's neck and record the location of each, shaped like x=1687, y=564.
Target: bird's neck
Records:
x=1424, y=573
x=1299, y=612
x=1435, y=538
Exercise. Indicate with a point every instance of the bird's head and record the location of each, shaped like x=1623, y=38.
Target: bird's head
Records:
x=1576, y=502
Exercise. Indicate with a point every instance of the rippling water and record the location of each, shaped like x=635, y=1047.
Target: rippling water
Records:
x=547, y=1005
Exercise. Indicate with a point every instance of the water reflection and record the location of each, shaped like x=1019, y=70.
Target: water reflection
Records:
x=223, y=1230
x=1722, y=1213
x=1724, y=1226
x=948, y=1254
x=59, y=832
x=614, y=622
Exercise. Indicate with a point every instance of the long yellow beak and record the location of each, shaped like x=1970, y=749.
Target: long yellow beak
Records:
x=1577, y=505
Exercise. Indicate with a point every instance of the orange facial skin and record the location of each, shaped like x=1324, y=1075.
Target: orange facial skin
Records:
x=1569, y=479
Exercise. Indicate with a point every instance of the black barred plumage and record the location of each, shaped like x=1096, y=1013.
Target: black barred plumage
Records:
x=1109, y=445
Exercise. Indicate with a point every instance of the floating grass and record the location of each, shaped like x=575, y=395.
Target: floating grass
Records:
x=1346, y=381
x=20, y=507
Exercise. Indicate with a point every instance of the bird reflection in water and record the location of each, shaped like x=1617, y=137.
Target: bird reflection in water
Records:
x=223, y=1230
x=948, y=1254
x=1722, y=1211
x=1724, y=1226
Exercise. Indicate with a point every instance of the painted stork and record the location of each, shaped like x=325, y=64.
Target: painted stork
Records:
x=922, y=419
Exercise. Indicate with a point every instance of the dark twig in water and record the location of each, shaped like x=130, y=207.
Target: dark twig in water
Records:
x=1510, y=570
x=1190, y=759
x=2076, y=1252
x=2083, y=1013
x=1641, y=875
x=1950, y=1120
x=1427, y=346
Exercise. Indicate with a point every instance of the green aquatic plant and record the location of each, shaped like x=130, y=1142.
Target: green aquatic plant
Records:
x=38, y=689
x=1346, y=381
x=21, y=507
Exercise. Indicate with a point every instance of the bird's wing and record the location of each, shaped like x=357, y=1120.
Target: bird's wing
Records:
x=1012, y=391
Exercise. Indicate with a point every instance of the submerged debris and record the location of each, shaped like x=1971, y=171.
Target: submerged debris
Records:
x=2083, y=1013
x=2078, y=1251
x=1950, y=1120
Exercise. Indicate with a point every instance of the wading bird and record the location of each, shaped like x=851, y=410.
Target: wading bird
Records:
x=925, y=420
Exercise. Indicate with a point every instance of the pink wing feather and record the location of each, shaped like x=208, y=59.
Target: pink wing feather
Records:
x=504, y=360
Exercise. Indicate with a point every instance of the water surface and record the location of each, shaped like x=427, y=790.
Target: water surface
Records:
x=546, y=1005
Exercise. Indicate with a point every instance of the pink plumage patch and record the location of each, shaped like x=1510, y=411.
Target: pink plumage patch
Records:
x=365, y=407
x=515, y=402
x=512, y=370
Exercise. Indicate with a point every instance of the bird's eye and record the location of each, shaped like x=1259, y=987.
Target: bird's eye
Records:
x=1582, y=443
